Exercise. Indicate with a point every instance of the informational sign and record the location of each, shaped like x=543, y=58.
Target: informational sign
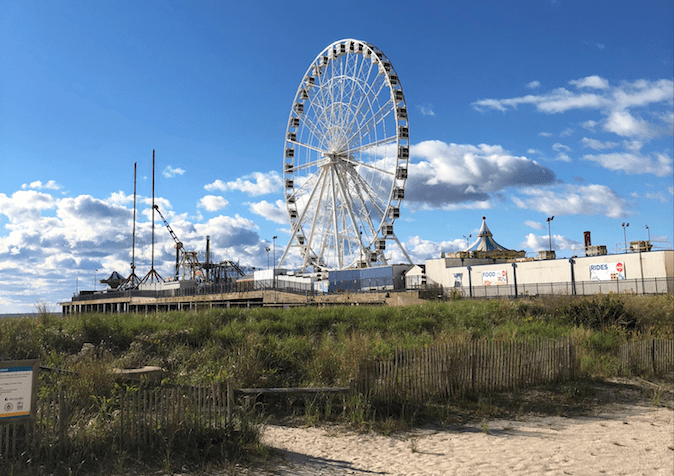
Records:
x=458, y=280
x=607, y=271
x=492, y=278
x=18, y=387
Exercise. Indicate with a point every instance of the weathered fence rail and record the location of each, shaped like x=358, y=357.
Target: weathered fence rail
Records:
x=135, y=419
x=450, y=371
x=654, y=356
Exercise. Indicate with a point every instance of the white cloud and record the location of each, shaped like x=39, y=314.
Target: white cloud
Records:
x=545, y=134
x=534, y=224
x=420, y=250
x=38, y=185
x=534, y=85
x=213, y=203
x=274, y=212
x=616, y=103
x=426, y=110
x=574, y=200
x=261, y=184
x=456, y=176
x=172, y=172
x=598, y=145
x=559, y=242
x=557, y=147
x=592, y=82
x=634, y=163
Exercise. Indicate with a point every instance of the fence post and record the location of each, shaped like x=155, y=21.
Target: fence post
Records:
x=62, y=420
x=230, y=398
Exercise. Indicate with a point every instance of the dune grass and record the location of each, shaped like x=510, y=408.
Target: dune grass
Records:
x=320, y=347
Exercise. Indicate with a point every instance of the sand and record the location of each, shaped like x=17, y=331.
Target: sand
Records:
x=631, y=440
x=619, y=433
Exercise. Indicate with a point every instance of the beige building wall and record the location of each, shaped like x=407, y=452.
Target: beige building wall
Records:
x=645, y=265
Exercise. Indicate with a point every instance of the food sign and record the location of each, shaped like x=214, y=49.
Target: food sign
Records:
x=607, y=271
x=18, y=387
x=492, y=278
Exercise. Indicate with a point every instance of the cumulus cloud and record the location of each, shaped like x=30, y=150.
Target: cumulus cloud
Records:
x=213, y=203
x=534, y=85
x=275, y=212
x=420, y=249
x=452, y=176
x=574, y=200
x=534, y=224
x=591, y=82
x=78, y=239
x=172, y=172
x=38, y=185
x=538, y=243
x=254, y=184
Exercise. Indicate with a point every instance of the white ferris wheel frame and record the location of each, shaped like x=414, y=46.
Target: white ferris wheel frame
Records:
x=346, y=158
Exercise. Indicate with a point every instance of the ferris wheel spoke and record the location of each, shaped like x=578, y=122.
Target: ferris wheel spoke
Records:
x=344, y=180
x=369, y=94
x=372, y=195
x=373, y=121
x=378, y=143
x=368, y=166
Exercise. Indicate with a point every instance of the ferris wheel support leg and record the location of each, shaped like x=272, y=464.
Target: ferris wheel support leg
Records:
x=409, y=260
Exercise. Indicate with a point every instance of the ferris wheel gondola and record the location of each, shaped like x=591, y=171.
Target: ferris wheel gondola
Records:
x=346, y=158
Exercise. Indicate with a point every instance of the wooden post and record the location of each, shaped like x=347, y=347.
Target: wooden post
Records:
x=230, y=398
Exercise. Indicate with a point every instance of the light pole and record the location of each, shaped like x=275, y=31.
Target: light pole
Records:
x=267, y=249
x=549, y=234
x=274, y=240
x=649, y=233
x=625, y=225
x=467, y=240
x=95, y=271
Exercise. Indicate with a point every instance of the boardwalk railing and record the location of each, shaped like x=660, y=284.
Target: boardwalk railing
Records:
x=654, y=356
x=450, y=371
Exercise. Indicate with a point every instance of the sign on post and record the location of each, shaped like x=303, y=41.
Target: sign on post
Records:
x=18, y=389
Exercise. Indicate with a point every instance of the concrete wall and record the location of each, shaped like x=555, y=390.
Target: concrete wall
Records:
x=637, y=268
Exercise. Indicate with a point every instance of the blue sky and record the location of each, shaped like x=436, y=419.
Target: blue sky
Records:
x=517, y=111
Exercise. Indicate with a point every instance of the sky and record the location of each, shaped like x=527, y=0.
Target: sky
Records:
x=518, y=111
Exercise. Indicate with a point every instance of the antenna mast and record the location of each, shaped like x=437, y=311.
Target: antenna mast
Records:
x=152, y=274
x=132, y=281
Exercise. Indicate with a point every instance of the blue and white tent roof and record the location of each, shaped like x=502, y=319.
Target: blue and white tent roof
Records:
x=485, y=240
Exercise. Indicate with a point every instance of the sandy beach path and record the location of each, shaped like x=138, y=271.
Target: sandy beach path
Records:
x=627, y=440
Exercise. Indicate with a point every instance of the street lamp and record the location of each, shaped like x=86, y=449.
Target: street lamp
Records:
x=625, y=225
x=550, y=235
x=274, y=240
x=649, y=233
x=267, y=249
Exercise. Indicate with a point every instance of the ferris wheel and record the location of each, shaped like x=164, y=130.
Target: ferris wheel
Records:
x=345, y=159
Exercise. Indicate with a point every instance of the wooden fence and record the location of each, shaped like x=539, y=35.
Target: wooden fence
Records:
x=129, y=420
x=655, y=356
x=450, y=371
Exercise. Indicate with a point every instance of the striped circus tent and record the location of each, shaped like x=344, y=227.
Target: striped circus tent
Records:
x=485, y=240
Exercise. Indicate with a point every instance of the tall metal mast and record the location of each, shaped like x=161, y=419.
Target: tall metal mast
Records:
x=152, y=274
x=132, y=281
